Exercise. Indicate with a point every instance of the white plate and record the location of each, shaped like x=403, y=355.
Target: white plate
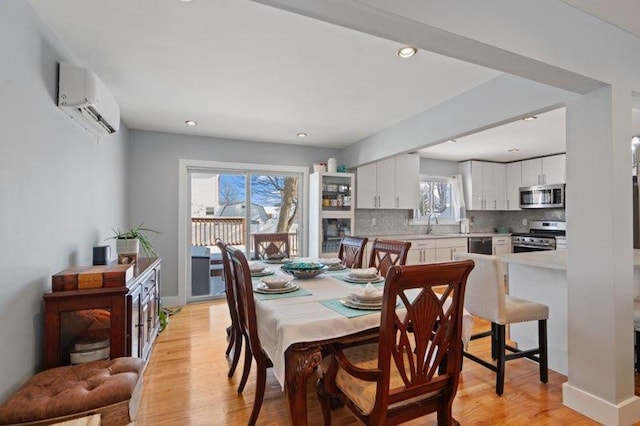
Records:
x=357, y=305
x=264, y=273
x=330, y=261
x=350, y=279
x=366, y=298
x=262, y=288
x=276, y=281
x=338, y=267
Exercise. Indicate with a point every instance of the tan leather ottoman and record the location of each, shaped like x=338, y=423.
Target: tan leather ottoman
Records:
x=111, y=388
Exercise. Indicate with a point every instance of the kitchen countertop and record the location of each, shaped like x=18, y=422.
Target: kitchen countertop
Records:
x=550, y=259
x=436, y=236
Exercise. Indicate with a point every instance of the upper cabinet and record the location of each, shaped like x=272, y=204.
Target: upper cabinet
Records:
x=544, y=171
x=484, y=185
x=391, y=183
x=514, y=182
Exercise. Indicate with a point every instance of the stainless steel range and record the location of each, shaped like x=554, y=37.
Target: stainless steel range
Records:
x=541, y=236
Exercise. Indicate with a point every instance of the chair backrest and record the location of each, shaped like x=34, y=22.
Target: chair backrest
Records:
x=271, y=244
x=421, y=333
x=244, y=298
x=351, y=251
x=386, y=253
x=486, y=288
x=229, y=286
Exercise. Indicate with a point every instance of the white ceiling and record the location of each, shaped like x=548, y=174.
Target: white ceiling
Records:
x=244, y=70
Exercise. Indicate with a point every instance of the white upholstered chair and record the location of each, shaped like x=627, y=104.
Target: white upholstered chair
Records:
x=486, y=298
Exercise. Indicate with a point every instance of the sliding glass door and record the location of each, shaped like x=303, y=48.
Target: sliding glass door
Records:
x=233, y=205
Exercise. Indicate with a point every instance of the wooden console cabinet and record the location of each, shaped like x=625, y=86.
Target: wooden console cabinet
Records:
x=127, y=316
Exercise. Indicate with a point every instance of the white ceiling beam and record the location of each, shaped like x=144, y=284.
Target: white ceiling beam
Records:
x=499, y=101
x=381, y=23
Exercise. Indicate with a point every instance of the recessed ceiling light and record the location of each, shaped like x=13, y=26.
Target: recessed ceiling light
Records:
x=407, y=52
x=301, y=135
x=191, y=123
x=531, y=117
x=514, y=150
x=452, y=141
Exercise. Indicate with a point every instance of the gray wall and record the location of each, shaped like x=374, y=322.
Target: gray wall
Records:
x=60, y=190
x=153, y=196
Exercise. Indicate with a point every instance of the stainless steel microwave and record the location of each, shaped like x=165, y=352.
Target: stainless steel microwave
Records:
x=542, y=196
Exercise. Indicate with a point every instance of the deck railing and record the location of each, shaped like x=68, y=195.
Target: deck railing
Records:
x=231, y=230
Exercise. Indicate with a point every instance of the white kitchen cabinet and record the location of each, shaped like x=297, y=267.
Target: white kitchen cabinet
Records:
x=446, y=247
x=391, y=183
x=544, y=171
x=484, y=185
x=421, y=251
x=501, y=245
x=331, y=212
x=514, y=182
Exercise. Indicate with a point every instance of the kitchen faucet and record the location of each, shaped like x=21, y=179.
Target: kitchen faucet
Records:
x=429, y=222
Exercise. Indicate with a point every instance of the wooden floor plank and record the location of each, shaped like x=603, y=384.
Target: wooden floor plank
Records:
x=185, y=383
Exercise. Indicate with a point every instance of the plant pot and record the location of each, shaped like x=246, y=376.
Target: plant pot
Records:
x=127, y=250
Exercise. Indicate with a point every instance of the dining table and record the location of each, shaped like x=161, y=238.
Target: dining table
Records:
x=296, y=327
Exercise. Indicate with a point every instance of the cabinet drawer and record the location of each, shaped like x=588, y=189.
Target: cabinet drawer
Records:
x=422, y=244
x=501, y=240
x=451, y=242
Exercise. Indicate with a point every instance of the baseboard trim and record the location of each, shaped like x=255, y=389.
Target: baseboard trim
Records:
x=624, y=413
x=170, y=302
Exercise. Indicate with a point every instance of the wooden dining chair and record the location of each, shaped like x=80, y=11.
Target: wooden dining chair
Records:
x=386, y=253
x=487, y=299
x=413, y=369
x=234, y=332
x=270, y=245
x=249, y=328
x=351, y=251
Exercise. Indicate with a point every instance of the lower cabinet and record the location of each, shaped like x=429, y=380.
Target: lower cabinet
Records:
x=446, y=247
x=501, y=245
x=422, y=251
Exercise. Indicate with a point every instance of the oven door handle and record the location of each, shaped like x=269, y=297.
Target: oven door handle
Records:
x=546, y=247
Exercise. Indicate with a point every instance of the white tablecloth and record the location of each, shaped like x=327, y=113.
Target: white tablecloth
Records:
x=283, y=322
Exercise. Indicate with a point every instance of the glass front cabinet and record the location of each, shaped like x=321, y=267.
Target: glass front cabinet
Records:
x=331, y=212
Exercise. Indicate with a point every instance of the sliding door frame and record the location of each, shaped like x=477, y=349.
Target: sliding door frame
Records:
x=185, y=166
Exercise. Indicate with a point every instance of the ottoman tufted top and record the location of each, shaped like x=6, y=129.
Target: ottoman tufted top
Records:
x=72, y=389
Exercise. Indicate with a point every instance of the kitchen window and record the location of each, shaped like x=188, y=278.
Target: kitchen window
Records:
x=440, y=196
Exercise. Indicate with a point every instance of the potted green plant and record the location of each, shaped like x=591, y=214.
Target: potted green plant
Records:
x=129, y=242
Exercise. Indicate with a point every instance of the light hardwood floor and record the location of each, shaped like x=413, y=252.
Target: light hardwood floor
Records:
x=186, y=383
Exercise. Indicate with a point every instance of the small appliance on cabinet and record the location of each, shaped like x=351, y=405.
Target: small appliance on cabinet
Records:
x=331, y=211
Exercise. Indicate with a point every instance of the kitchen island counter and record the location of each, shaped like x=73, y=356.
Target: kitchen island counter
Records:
x=542, y=277
x=550, y=259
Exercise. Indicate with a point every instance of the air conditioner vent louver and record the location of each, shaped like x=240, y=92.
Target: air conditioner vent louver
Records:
x=85, y=98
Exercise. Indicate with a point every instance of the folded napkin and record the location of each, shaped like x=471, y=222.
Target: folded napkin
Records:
x=364, y=273
x=368, y=293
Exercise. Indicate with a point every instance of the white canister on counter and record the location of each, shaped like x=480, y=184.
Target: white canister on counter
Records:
x=332, y=166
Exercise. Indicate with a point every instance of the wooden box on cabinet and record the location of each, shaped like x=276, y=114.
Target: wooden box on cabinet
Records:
x=126, y=316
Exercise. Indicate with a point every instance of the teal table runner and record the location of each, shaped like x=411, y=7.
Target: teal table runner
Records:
x=298, y=293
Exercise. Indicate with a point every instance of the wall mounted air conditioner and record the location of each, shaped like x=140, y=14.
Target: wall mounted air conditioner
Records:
x=86, y=99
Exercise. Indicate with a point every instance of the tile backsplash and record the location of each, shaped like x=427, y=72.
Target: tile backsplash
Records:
x=396, y=222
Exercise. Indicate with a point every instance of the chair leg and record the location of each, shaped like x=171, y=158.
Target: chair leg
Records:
x=500, y=363
x=248, y=356
x=231, y=334
x=494, y=341
x=542, y=344
x=236, y=352
x=261, y=381
x=325, y=401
